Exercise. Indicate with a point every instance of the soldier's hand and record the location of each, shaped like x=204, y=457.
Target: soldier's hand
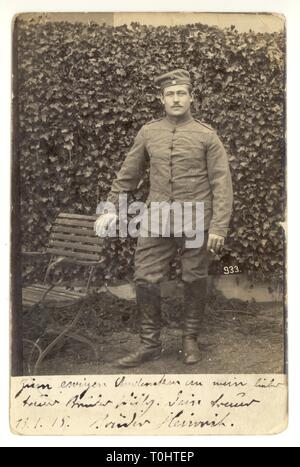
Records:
x=215, y=243
x=105, y=225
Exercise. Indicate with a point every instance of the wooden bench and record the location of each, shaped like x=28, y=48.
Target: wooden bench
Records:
x=72, y=240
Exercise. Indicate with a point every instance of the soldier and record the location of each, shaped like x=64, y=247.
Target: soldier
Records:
x=188, y=163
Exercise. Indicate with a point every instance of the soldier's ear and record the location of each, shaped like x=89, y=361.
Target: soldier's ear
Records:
x=161, y=98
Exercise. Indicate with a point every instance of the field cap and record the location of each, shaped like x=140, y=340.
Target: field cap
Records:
x=179, y=76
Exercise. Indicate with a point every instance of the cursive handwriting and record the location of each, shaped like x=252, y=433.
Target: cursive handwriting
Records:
x=85, y=401
x=75, y=384
x=30, y=402
x=124, y=381
x=187, y=401
x=31, y=384
x=220, y=402
x=267, y=383
x=147, y=404
x=183, y=419
x=230, y=383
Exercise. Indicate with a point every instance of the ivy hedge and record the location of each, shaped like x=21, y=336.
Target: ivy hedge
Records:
x=86, y=89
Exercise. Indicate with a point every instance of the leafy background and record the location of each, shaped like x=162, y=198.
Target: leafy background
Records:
x=86, y=89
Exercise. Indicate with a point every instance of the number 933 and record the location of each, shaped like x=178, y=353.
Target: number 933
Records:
x=231, y=270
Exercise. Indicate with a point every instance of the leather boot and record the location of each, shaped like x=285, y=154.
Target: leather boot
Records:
x=194, y=300
x=148, y=302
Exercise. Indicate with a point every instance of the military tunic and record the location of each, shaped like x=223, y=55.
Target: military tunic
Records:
x=188, y=162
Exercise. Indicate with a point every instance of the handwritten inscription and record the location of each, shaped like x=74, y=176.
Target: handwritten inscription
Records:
x=150, y=404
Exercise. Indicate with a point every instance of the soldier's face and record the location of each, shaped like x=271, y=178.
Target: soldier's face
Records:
x=176, y=100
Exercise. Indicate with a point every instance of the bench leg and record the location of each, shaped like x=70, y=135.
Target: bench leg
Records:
x=61, y=335
x=35, y=346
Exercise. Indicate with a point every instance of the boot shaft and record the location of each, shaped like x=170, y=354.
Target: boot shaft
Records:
x=148, y=295
x=195, y=294
x=149, y=313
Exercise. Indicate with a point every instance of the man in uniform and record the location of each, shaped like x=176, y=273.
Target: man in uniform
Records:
x=188, y=163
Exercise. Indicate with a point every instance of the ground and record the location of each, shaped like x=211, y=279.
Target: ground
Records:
x=236, y=337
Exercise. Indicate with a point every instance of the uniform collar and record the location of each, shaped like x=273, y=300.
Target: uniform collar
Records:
x=184, y=121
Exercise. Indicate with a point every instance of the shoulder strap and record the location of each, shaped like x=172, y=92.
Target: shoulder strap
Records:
x=153, y=121
x=204, y=124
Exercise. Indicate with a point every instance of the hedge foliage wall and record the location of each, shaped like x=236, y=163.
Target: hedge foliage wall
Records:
x=85, y=90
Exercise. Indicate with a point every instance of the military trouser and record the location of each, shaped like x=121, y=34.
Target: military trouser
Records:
x=153, y=256
x=152, y=260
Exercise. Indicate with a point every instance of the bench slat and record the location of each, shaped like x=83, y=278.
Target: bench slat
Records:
x=31, y=294
x=76, y=238
x=75, y=223
x=78, y=216
x=57, y=290
x=71, y=246
x=73, y=230
x=82, y=262
x=32, y=297
x=74, y=254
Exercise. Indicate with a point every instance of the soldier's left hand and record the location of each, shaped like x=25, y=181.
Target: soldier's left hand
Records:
x=215, y=243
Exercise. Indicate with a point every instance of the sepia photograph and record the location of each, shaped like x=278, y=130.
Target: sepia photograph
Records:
x=149, y=201
x=166, y=109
